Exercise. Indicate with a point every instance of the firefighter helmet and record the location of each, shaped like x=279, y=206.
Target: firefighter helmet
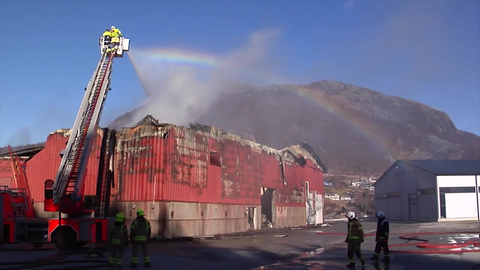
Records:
x=351, y=215
x=120, y=217
x=380, y=214
x=140, y=213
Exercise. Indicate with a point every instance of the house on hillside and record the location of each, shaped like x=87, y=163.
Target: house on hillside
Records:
x=430, y=190
x=355, y=183
x=334, y=197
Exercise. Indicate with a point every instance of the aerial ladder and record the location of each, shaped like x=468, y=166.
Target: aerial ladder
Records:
x=65, y=194
x=24, y=204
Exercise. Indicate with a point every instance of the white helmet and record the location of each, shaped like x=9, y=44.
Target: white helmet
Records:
x=112, y=28
x=380, y=214
x=351, y=215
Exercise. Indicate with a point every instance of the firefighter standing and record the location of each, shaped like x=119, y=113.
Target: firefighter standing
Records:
x=354, y=239
x=118, y=241
x=140, y=232
x=383, y=230
x=107, y=37
x=115, y=34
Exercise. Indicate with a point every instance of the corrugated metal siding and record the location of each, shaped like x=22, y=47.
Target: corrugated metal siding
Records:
x=170, y=163
x=139, y=166
x=6, y=174
x=173, y=164
x=44, y=165
x=315, y=177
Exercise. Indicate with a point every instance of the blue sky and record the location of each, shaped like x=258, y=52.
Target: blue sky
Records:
x=427, y=51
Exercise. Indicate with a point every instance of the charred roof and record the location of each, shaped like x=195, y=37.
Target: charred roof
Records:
x=149, y=126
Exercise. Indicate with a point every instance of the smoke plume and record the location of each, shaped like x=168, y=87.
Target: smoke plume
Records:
x=20, y=137
x=180, y=93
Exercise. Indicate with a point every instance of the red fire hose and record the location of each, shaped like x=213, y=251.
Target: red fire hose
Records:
x=428, y=248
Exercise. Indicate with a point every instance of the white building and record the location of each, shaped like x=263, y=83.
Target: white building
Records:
x=334, y=197
x=356, y=183
x=430, y=190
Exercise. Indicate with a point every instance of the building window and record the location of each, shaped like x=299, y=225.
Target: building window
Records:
x=457, y=190
x=382, y=196
x=427, y=191
x=393, y=195
x=215, y=159
x=443, y=209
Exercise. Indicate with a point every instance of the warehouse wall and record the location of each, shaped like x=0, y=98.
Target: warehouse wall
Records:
x=178, y=164
x=406, y=193
x=179, y=219
x=6, y=174
x=288, y=216
x=427, y=203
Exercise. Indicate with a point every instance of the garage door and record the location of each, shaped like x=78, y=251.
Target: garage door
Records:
x=461, y=205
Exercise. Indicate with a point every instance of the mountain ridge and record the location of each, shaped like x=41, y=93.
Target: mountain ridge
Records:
x=278, y=117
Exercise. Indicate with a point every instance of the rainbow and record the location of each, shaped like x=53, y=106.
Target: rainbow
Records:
x=175, y=56
x=366, y=129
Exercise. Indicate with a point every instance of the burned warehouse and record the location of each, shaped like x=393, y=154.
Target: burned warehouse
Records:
x=190, y=181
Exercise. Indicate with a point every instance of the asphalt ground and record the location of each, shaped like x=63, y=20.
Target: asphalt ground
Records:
x=297, y=248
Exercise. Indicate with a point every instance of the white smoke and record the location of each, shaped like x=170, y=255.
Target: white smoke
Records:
x=179, y=94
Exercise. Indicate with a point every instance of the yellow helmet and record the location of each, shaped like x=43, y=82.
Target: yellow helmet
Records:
x=140, y=213
x=120, y=217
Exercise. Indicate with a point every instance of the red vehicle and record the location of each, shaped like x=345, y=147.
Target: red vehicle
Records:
x=81, y=218
x=16, y=203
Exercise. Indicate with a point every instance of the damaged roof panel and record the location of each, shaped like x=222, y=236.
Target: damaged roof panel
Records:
x=304, y=149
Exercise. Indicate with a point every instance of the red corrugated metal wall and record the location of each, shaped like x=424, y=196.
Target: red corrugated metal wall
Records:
x=6, y=174
x=178, y=168
x=178, y=164
x=44, y=165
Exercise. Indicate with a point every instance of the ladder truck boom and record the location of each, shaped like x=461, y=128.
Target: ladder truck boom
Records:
x=65, y=194
x=69, y=184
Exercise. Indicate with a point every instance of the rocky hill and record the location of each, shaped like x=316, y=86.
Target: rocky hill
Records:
x=354, y=130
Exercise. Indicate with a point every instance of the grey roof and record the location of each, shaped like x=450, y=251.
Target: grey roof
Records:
x=447, y=167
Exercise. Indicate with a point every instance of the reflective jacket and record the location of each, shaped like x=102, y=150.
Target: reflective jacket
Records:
x=355, y=230
x=116, y=33
x=107, y=33
x=140, y=230
x=118, y=234
x=383, y=229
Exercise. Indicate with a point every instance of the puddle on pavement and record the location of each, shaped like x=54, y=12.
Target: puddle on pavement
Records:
x=323, y=263
x=309, y=254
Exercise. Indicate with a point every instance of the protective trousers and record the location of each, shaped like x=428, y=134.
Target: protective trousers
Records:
x=378, y=248
x=354, y=248
x=116, y=255
x=136, y=248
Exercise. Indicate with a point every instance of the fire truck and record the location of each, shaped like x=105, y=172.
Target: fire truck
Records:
x=15, y=202
x=81, y=218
